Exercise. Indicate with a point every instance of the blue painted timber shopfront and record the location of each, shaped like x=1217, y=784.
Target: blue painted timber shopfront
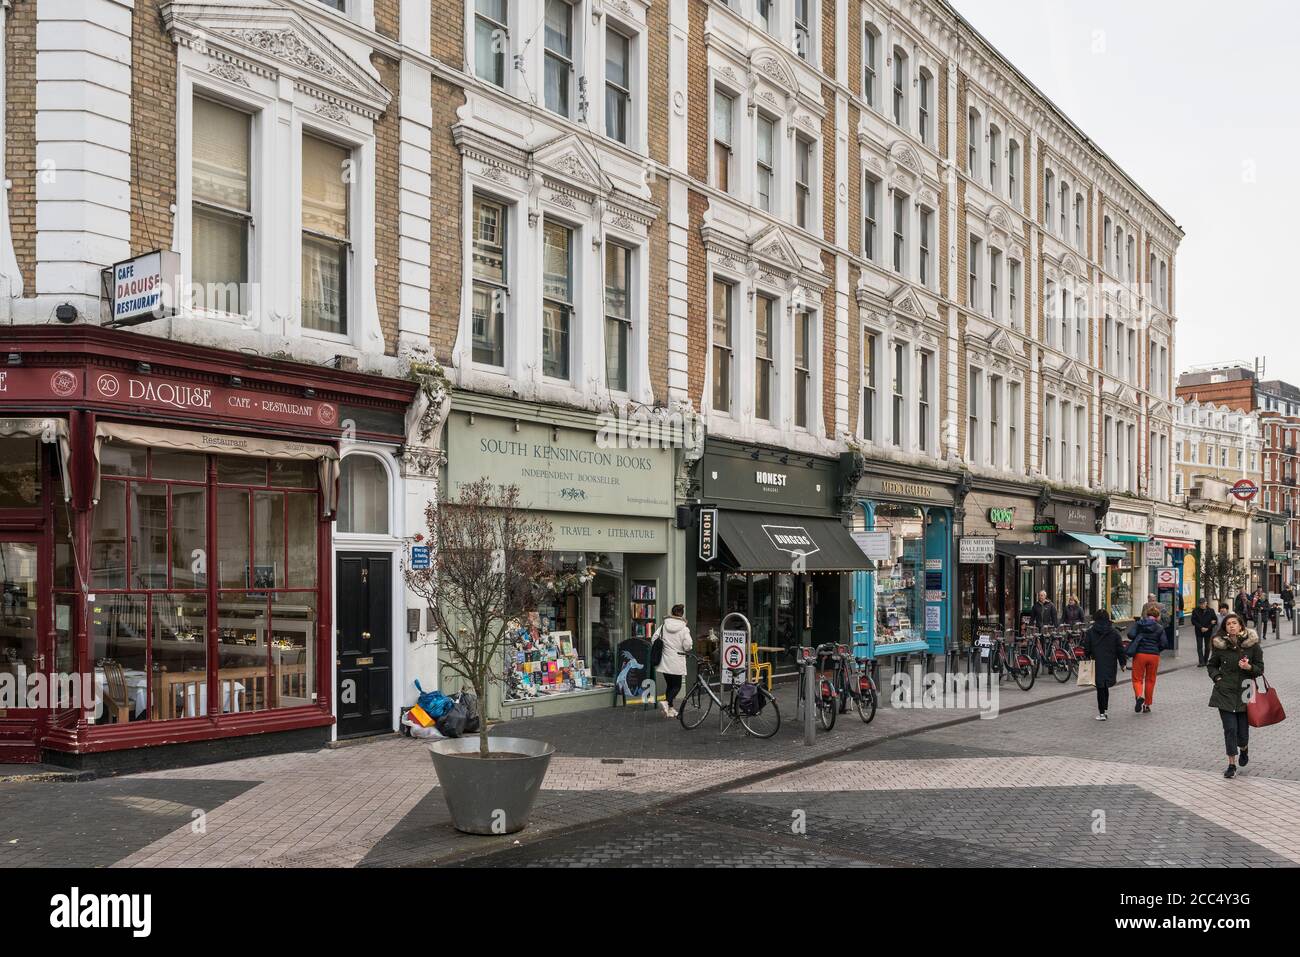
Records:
x=904, y=517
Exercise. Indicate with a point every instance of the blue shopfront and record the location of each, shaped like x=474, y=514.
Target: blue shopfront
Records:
x=905, y=523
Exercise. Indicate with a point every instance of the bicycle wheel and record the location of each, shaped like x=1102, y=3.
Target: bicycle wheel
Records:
x=1025, y=675
x=826, y=707
x=768, y=720
x=695, y=707
x=865, y=702
x=1061, y=669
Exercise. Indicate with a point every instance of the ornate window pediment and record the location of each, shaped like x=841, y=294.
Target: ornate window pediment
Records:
x=568, y=158
x=905, y=302
x=276, y=41
x=771, y=64
x=1002, y=342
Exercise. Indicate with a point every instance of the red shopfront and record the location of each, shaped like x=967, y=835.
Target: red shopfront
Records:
x=165, y=546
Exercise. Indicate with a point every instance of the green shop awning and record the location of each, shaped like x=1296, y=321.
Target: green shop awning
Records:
x=753, y=542
x=1121, y=537
x=1096, y=543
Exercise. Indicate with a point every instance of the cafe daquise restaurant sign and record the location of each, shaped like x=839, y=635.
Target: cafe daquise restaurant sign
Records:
x=563, y=471
x=165, y=394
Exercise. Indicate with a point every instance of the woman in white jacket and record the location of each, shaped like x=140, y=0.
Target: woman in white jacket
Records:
x=676, y=639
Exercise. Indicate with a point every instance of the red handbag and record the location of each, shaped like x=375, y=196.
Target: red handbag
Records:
x=1264, y=707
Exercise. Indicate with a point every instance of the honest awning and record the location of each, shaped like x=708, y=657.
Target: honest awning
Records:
x=48, y=430
x=782, y=543
x=1096, y=543
x=326, y=458
x=1029, y=552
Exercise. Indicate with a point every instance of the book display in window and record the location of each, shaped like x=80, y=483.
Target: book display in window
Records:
x=644, y=608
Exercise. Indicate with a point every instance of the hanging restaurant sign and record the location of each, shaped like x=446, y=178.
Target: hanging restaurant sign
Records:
x=708, y=534
x=1002, y=518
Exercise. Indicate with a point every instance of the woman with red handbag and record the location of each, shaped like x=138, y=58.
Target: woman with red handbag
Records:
x=1236, y=660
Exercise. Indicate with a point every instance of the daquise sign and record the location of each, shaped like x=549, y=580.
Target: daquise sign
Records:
x=144, y=288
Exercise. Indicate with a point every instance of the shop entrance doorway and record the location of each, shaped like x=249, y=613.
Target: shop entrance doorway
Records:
x=22, y=649
x=364, y=635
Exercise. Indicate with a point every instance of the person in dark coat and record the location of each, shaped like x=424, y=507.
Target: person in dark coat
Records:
x=1104, y=646
x=1044, y=612
x=1235, y=659
x=1205, y=622
x=1147, y=640
x=1073, y=611
x=1288, y=600
x=1242, y=605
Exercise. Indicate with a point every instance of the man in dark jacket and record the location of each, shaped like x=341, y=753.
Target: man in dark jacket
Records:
x=1288, y=601
x=1044, y=612
x=1147, y=640
x=1205, y=622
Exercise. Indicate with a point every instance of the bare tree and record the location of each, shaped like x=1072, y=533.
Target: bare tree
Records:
x=488, y=556
x=1221, y=576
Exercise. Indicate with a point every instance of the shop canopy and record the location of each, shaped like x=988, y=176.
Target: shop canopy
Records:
x=1096, y=543
x=754, y=542
x=1029, y=552
x=326, y=458
x=48, y=430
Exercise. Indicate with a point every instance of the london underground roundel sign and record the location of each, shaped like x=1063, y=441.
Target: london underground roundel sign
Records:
x=1245, y=490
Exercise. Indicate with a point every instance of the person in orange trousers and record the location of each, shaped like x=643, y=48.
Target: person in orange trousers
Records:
x=1147, y=639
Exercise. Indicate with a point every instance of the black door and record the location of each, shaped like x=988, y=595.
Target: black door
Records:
x=365, y=644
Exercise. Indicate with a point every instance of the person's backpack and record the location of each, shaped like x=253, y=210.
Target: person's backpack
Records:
x=748, y=701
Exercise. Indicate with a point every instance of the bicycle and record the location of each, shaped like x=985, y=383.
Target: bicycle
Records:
x=853, y=681
x=1022, y=668
x=699, y=702
x=827, y=703
x=1058, y=655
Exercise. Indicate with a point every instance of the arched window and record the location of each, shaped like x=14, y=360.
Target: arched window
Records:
x=995, y=149
x=363, y=496
x=925, y=92
x=870, y=65
x=900, y=87
x=1013, y=164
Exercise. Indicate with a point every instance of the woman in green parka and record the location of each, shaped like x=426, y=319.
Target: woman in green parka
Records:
x=1235, y=660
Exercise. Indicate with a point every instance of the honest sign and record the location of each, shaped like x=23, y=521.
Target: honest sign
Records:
x=708, y=534
x=144, y=288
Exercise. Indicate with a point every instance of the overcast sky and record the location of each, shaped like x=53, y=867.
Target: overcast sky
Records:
x=1198, y=103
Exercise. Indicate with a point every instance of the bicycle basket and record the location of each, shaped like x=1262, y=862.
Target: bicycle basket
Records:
x=748, y=700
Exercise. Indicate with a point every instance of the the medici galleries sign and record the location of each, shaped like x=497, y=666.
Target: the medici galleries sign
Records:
x=144, y=288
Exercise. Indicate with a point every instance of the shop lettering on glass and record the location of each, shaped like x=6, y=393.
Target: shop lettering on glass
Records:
x=1002, y=518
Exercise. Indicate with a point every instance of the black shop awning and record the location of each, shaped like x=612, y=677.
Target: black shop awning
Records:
x=773, y=543
x=1029, y=552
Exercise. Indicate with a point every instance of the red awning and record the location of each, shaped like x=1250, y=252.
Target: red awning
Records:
x=1176, y=543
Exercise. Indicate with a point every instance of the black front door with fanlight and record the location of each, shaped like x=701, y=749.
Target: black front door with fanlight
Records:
x=364, y=634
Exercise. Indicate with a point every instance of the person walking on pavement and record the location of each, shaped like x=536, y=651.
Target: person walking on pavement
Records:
x=1260, y=609
x=1224, y=611
x=1206, y=623
x=1288, y=600
x=1235, y=659
x=1044, y=612
x=1242, y=605
x=676, y=638
x=1147, y=640
x=1104, y=646
x=1073, y=611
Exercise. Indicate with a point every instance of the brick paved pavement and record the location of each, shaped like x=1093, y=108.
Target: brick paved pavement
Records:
x=629, y=778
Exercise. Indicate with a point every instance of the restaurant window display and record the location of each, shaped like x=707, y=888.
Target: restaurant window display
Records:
x=151, y=557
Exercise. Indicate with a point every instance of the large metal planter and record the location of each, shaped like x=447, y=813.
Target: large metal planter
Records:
x=494, y=796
